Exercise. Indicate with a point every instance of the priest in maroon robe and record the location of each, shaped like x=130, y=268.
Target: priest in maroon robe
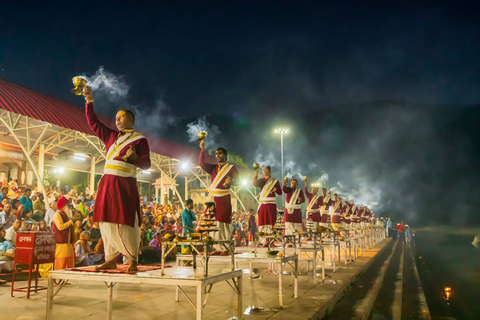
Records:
x=267, y=209
x=294, y=198
x=117, y=204
x=315, y=201
x=223, y=176
x=327, y=202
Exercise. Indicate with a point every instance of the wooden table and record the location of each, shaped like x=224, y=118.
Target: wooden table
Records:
x=252, y=258
x=176, y=276
x=229, y=245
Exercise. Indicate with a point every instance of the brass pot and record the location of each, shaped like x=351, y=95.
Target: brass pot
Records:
x=202, y=135
x=79, y=84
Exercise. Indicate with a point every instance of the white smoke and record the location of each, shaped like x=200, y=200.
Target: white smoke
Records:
x=293, y=170
x=368, y=194
x=202, y=125
x=158, y=119
x=324, y=178
x=267, y=159
x=111, y=92
x=112, y=86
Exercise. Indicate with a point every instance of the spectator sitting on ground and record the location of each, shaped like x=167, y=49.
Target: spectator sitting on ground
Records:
x=25, y=225
x=6, y=216
x=7, y=253
x=99, y=247
x=95, y=234
x=15, y=205
x=83, y=255
x=4, y=193
x=3, y=203
x=77, y=231
x=87, y=222
x=41, y=226
x=26, y=201
x=11, y=234
x=49, y=215
x=39, y=207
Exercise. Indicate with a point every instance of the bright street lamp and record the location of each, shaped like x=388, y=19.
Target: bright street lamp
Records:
x=184, y=165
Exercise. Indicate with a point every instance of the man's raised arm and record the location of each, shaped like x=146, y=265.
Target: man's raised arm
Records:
x=208, y=167
x=101, y=131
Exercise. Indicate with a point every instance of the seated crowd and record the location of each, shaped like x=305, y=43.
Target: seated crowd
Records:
x=25, y=210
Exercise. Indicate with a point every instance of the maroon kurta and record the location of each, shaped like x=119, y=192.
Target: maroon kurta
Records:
x=337, y=214
x=117, y=197
x=324, y=216
x=354, y=216
x=348, y=213
x=368, y=215
x=315, y=216
x=223, y=205
x=361, y=212
x=267, y=212
x=297, y=213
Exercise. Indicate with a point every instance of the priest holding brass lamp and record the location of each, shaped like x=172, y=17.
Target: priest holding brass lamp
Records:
x=270, y=189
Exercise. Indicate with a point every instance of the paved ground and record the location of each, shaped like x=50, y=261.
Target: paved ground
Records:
x=88, y=300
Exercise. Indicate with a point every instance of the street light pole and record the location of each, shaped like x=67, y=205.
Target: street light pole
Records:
x=281, y=151
x=282, y=131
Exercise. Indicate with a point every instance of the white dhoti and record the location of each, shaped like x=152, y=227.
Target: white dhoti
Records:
x=290, y=228
x=225, y=232
x=265, y=228
x=120, y=238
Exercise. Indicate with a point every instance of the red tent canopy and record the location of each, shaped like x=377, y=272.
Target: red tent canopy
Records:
x=26, y=102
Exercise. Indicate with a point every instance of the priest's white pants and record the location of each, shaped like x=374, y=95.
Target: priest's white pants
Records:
x=267, y=228
x=225, y=232
x=120, y=238
x=290, y=227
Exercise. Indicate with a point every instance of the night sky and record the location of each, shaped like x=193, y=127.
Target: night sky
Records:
x=382, y=96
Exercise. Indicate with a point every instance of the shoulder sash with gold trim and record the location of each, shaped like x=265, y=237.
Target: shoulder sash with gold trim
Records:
x=335, y=207
x=266, y=190
x=214, y=187
x=292, y=204
x=312, y=203
x=121, y=142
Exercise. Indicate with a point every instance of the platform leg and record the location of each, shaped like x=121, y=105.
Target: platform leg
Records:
x=295, y=280
x=323, y=264
x=339, y=255
x=200, y=302
x=109, y=300
x=164, y=252
x=334, y=257
x=280, y=284
x=314, y=265
x=48, y=314
x=232, y=252
x=240, y=297
x=36, y=279
x=177, y=293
